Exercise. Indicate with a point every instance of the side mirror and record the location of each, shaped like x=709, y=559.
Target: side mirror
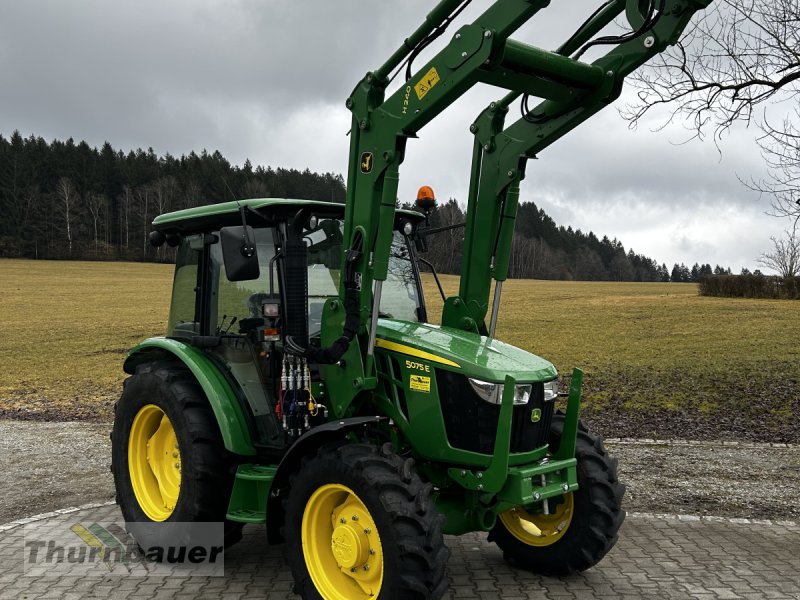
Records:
x=239, y=253
x=156, y=238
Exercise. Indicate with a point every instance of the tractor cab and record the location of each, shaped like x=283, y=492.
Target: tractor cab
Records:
x=235, y=307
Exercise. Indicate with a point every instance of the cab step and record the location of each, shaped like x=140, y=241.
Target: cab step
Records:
x=251, y=486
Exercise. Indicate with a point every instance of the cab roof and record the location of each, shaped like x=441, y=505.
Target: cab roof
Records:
x=214, y=216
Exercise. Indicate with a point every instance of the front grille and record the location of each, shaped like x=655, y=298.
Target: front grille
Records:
x=471, y=423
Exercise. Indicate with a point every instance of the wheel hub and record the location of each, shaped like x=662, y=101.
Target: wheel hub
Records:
x=540, y=529
x=341, y=545
x=154, y=462
x=350, y=546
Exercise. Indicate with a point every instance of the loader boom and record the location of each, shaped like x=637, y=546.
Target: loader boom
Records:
x=481, y=52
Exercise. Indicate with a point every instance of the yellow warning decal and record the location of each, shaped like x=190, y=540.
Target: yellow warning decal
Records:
x=420, y=383
x=430, y=79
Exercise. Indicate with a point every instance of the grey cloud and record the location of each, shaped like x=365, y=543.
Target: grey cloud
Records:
x=266, y=80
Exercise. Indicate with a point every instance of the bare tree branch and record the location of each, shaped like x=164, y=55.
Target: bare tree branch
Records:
x=785, y=255
x=740, y=60
x=739, y=55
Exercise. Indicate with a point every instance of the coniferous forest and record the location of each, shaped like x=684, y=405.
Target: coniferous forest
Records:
x=68, y=200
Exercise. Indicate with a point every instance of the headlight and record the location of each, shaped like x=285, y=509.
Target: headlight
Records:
x=493, y=392
x=551, y=390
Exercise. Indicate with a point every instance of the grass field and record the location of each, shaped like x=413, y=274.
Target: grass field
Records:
x=660, y=360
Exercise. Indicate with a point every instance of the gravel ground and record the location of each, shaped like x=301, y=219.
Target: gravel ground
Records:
x=50, y=465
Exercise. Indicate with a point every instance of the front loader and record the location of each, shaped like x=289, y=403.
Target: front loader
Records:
x=300, y=385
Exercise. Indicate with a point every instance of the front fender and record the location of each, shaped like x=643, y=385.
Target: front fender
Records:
x=222, y=398
x=305, y=445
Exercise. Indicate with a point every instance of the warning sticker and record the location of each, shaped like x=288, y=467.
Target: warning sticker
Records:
x=367, y=160
x=430, y=79
x=420, y=383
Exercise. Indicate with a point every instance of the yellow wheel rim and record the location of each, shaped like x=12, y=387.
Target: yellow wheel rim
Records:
x=154, y=462
x=341, y=545
x=539, y=530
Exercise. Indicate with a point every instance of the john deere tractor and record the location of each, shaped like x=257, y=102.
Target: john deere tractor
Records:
x=300, y=384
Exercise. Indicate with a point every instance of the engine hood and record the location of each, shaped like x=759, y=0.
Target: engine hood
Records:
x=463, y=351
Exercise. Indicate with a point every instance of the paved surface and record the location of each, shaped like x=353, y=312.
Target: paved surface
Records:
x=657, y=557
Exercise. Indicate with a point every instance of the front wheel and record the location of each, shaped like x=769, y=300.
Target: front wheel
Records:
x=360, y=524
x=581, y=526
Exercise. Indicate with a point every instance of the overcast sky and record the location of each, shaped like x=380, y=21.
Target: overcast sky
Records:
x=267, y=79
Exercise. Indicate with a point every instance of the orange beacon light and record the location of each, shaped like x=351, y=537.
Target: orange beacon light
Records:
x=425, y=199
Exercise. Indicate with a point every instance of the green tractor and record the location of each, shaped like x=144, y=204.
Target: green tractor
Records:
x=300, y=384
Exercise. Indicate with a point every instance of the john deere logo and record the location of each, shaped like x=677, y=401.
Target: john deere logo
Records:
x=536, y=415
x=367, y=159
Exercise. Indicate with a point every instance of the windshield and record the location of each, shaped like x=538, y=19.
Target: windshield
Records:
x=234, y=304
x=400, y=298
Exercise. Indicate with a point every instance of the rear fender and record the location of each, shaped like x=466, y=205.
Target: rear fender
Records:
x=222, y=398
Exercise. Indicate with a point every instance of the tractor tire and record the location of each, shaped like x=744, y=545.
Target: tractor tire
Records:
x=583, y=525
x=361, y=524
x=163, y=405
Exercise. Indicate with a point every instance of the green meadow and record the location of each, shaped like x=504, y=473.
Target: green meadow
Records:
x=659, y=359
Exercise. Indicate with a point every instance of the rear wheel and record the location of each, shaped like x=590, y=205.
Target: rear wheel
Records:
x=168, y=458
x=360, y=524
x=582, y=526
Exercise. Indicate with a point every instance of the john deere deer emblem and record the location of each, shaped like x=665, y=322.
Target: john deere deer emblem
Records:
x=366, y=162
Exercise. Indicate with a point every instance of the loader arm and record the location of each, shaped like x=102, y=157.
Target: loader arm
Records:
x=479, y=52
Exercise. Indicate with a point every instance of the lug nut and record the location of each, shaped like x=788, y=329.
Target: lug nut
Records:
x=372, y=551
x=355, y=517
x=366, y=567
x=342, y=520
x=368, y=531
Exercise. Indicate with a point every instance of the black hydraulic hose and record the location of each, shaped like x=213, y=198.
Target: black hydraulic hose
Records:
x=438, y=31
x=526, y=113
x=352, y=286
x=585, y=23
x=649, y=22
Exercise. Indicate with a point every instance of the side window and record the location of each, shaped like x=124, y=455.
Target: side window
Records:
x=182, y=318
x=401, y=297
x=240, y=299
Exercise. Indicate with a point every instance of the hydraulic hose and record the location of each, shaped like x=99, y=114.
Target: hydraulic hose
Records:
x=352, y=287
